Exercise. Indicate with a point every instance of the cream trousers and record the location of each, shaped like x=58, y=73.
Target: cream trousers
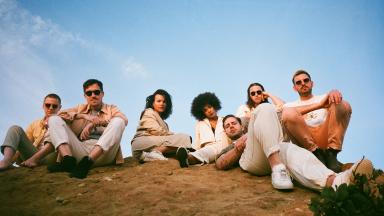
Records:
x=265, y=137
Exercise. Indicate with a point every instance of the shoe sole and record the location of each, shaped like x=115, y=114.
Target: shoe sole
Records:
x=182, y=157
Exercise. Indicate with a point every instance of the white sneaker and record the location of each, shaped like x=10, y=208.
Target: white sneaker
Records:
x=362, y=167
x=152, y=156
x=280, y=178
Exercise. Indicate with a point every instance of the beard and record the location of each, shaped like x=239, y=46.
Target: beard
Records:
x=235, y=136
x=306, y=93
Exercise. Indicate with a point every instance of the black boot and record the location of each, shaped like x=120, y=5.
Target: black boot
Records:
x=82, y=169
x=332, y=162
x=320, y=155
x=67, y=165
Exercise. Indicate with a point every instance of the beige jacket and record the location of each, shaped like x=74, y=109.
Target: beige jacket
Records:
x=151, y=124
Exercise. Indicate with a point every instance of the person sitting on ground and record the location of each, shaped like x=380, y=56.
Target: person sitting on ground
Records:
x=210, y=138
x=317, y=123
x=89, y=133
x=256, y=95
x=153, y=138
x=32, y=147
x=262, y=150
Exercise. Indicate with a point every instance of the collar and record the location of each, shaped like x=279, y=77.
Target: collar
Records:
x=88, y=108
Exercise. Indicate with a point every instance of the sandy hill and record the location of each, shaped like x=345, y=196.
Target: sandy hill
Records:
x=156, y=188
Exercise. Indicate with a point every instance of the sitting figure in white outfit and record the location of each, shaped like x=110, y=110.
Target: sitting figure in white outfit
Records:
x=210, y=138
x=261, y=152
x=256, y=95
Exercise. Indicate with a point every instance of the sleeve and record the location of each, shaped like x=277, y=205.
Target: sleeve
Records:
x=29, y=131
x=117, y=113
x=241, y=111
x=197, y=141
x=68, y=115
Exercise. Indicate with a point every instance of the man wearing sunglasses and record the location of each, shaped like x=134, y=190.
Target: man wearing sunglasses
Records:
x=89, y=133
x=317, y=123
x=31, y=147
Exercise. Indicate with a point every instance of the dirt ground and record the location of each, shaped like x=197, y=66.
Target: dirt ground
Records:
x=155, y=188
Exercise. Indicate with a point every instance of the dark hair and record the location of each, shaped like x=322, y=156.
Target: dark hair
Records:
x=229, y=116
x=250, y=102
x=203, y=99
x=297, y=73
x=52, y=95
x=168, y=101
x=91, y=82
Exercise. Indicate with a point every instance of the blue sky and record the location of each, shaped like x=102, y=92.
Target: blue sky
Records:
x=189, y=47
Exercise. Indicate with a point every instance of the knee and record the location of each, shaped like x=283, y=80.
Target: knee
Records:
x=265, y=109
x=346, y=107
x=117, y=122
x=54, y=119
x=289, y=114
x=16, y=129
x=343, y=108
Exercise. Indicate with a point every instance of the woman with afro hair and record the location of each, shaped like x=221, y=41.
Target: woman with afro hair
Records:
x=256, y=95
x=210, y=137
x=153, y=138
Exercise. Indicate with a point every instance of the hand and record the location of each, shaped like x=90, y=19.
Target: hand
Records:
x=265, y=95
x=324, y=103
x=241, y=143
x=94, y=119
x=86, y=131
x=335, y=96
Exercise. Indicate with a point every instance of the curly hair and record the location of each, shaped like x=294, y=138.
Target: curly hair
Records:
x=250, y=102
x=203, y=99
x=168, y=101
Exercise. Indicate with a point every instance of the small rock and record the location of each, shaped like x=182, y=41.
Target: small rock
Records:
x=65, y=202
x=170, y=173
x=107, y=178
x=81, y=185
x=299, y=210
x=95, y=180
x=59, y=199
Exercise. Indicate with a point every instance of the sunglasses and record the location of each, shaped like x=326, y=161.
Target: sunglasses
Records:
x=258, y=92
x=89, y=93
x=51, y=106
x=301, y=82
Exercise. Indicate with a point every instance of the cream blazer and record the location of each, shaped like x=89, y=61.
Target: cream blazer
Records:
x=151, y=124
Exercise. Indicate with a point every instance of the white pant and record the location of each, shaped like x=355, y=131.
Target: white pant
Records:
x=109, y=141
x=146, y=143
x=208, y=153
x=265, y=137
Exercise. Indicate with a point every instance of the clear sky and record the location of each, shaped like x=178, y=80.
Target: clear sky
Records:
x=189, y=47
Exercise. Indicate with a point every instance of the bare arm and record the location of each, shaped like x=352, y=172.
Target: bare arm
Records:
x=278, y=102
x=230, y=158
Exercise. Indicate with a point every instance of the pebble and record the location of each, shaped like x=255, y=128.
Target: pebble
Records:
x=107, y=178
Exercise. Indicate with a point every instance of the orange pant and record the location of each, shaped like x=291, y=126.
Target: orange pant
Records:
x=330, y=134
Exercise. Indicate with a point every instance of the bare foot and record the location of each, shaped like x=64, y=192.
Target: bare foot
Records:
x=4, y=165
x=29, y=163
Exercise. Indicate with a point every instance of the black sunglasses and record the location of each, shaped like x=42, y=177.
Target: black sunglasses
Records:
x=89, y=93
x=51, y=106
x=258, y=92
x=301, y=82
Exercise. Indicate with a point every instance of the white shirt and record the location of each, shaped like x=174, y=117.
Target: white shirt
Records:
x=314, y=118
x=204, y=134
x=243, y=111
